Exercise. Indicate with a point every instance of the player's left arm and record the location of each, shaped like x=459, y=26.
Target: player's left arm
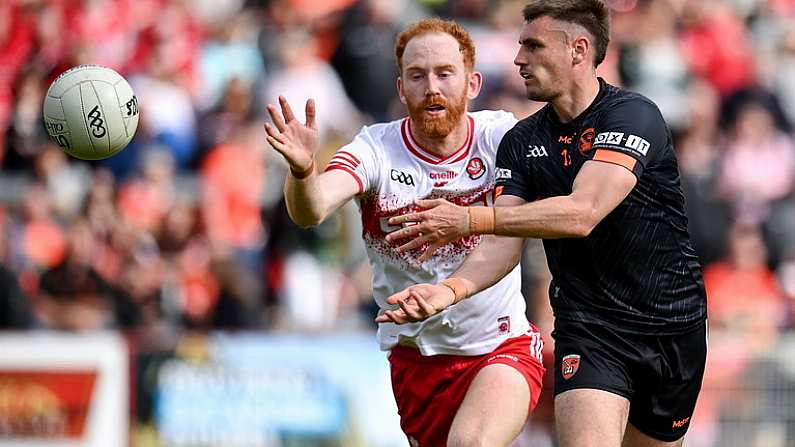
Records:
x=629, y=135
x=597, y=190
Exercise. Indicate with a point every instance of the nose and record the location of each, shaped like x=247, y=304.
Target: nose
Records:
x=432, y=87
x=520, y=59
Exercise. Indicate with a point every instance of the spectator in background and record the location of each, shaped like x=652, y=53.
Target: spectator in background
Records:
x=746, y=312
x=230, y=56
x=74, y=296
x=716, y=46
x=699, y=150
x=302, y=75
x=651, y=62
x=15, y=312
x=759, y=164
x=364, y=56
x=225, y=119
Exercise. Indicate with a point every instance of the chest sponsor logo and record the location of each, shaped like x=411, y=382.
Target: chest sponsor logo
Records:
x=537, y=151
x=586, y=140
x=401, y=177
x=570, y=365
x=633, y=142
x=444, y=175
x=476, y=168
x=503, y=173
x=680, y=423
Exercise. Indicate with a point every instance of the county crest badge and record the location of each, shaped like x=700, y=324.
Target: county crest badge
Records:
x=570, y=365
x=476, y=168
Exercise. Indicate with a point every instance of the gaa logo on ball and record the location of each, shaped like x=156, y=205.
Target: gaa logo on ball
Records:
x=91, y=112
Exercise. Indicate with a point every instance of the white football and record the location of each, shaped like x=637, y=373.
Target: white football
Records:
x=91, y=112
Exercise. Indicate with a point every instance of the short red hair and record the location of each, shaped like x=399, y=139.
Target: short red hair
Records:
x=428, y=26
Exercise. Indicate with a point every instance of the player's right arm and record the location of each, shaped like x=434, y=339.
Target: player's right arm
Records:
x=489, y=262
x=310, y=197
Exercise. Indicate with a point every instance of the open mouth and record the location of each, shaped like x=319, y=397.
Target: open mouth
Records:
x=435, y=109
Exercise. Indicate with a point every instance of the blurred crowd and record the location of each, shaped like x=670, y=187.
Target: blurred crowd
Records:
x=186, y=228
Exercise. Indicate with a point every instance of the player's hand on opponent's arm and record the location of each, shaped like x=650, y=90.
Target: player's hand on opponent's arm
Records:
x=295, y=141
x=417, y=303
x=440, y=223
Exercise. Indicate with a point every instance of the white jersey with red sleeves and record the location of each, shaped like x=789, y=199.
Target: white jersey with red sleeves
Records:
x=393, y=170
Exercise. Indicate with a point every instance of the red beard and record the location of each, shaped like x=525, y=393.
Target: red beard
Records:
x=441, y=126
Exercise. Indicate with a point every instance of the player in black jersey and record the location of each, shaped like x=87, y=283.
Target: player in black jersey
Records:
x=595, y=176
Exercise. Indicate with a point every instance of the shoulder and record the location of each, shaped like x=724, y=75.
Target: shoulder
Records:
x=491, y=117
x=382, y=130
x=632, y=104
x=527, y=127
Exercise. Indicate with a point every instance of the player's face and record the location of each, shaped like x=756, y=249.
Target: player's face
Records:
x=544, y=58
x=435, y=84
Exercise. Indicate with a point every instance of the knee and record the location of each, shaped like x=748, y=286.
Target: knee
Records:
x=470, y=438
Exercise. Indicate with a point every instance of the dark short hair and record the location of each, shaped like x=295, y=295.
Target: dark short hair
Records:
x=593, y=15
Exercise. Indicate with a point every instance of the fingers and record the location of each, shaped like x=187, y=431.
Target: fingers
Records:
x=383, y=318
x=395, y=316
x=311, y=113
x=429, y=203
x=412, y=309
x=276, y=139
x=413, y=230
x=287, y=111
x=416, y=243
x=426, y=308
x=406, y=218
x=397, y=297
x=431, y=250
x=275, y=134
x=276, y=118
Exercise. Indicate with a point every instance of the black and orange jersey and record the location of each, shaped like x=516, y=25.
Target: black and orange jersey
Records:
x=637, y=271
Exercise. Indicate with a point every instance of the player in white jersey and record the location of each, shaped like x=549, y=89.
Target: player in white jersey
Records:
x=447, y=370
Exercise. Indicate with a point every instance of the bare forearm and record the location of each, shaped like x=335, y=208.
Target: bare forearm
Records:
x=304, y=200
x=482, y=269
x=551, y=218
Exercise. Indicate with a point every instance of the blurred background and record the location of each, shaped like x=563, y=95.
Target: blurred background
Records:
x=163, y=297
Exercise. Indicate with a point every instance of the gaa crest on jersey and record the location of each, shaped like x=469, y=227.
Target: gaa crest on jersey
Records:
x=586, y=140
x=476, y=168
x=570, y=365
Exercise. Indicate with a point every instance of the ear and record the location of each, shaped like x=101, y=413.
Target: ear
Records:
x=401, y=95
x=580, y=49
x=475, y=81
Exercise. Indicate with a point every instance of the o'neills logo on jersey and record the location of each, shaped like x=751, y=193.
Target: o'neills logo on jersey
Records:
x=570, y=365
x=444, y=175
x=476, y=168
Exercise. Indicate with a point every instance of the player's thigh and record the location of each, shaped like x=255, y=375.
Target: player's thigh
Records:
x=494, y=409
x=635, y=438
x=590, y=418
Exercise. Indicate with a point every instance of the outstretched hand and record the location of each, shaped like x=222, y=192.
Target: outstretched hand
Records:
x=440, y=223
x=417, y=303
x=296, y=142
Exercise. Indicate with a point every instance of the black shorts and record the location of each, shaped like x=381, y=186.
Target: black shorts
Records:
x=659, y=374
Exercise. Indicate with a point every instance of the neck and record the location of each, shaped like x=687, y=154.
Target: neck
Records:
x=577, y=98
x=443, y=146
